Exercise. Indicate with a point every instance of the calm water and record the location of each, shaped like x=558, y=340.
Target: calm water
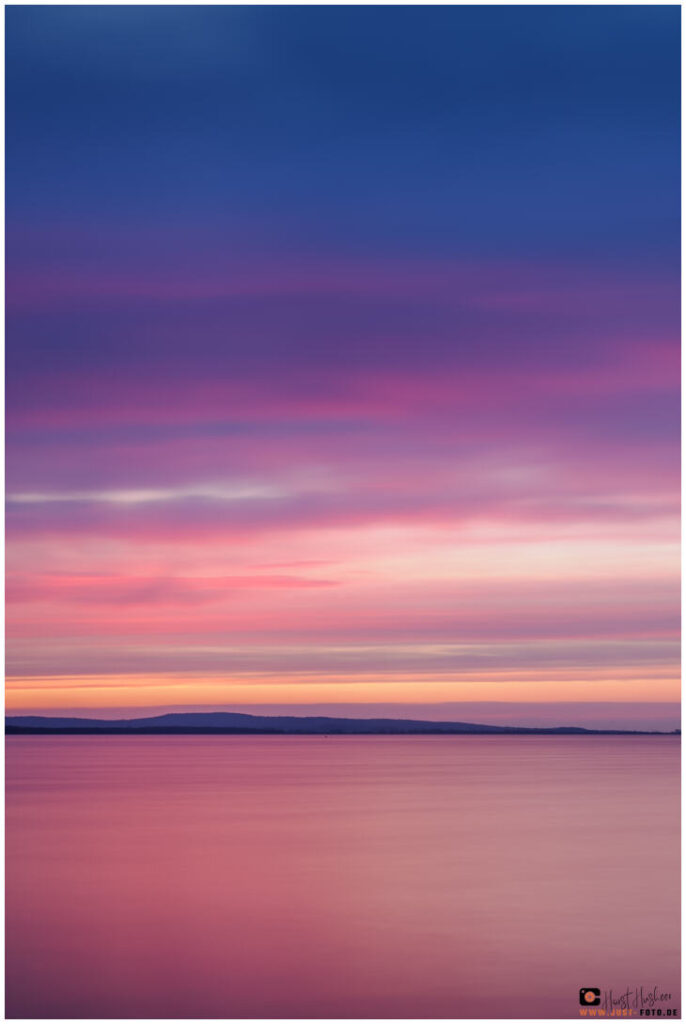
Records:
x=344, y=877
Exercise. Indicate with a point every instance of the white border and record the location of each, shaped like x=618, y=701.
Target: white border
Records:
x=327, y=3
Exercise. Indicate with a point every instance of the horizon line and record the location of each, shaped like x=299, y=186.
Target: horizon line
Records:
x=32, y=724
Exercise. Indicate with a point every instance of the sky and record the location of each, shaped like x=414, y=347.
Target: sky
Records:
x=343, y=360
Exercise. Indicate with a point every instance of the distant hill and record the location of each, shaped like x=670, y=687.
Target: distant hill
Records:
x=228, y=722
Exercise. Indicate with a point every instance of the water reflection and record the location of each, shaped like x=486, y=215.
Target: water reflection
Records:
x=341, y=877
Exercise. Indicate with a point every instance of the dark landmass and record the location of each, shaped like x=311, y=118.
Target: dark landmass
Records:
x=233, y=723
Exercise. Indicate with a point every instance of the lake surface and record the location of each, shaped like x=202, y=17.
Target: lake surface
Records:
x=234, y=876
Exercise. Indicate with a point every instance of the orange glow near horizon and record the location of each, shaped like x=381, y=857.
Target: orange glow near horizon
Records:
x=104, y=692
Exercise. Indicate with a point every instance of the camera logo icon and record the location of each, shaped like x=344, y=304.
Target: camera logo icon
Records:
x=589, y=996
